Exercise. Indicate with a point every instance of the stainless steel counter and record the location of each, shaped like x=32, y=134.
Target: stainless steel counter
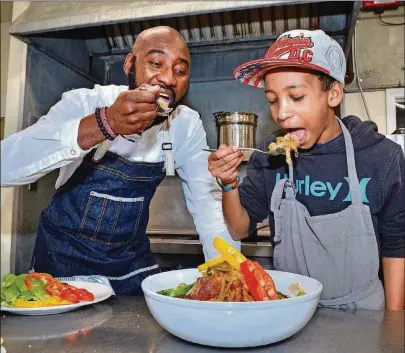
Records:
x=124, y=324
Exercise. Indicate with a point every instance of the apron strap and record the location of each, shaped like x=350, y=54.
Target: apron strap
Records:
x=277, y=194
x=167, y=147
x=101, y=150
x=354, y=184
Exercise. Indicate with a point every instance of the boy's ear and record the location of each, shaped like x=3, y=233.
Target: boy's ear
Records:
x=335, y=94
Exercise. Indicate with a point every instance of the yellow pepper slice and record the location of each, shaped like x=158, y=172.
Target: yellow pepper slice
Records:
x=229, y=253
x=210, y=263
x=19, y=303
x=52, y=301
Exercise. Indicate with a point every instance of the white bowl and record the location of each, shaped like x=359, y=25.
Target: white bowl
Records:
x=236, y=324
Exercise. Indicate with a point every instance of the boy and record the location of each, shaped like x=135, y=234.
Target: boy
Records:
x=343, y=202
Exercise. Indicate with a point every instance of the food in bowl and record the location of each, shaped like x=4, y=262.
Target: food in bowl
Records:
x=222, y=283
x=285, y=144
x=231, y=278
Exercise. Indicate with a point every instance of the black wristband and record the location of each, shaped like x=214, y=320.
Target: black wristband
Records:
x=101, y=126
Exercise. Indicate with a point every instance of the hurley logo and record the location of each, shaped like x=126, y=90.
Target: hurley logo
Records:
x=292, y=49
x=327, y=189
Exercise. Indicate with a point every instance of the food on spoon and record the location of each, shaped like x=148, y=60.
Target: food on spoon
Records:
x=39, y=290
x=163, y=103
x=284, y=144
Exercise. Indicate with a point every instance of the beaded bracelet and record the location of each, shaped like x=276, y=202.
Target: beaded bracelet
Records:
x=103, y=115
x=101, y=125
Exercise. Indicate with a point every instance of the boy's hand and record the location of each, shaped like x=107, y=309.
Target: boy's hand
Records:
x=223, y=163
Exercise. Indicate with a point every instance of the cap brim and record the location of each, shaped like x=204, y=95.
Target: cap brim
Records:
x=252, y=72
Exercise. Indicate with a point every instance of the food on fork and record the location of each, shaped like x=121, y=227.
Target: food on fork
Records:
x=284, y=144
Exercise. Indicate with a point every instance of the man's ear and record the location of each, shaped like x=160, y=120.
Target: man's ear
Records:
x=127, y=63
x=335, y=94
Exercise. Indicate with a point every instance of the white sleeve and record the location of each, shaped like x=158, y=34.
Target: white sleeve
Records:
x=50, y=143
x=202, y=193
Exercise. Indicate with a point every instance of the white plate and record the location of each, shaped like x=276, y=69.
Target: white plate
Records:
x=100, y=291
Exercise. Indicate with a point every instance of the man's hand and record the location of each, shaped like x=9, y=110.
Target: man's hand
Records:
x=224, y=163
x=133, y=111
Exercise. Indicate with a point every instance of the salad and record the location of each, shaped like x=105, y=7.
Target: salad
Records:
x=36, y=290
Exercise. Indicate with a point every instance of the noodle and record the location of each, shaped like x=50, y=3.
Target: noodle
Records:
x=220, y=283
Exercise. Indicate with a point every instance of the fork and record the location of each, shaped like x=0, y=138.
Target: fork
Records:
x=272, y=153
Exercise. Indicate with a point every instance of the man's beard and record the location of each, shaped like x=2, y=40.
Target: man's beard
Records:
x=132, y=84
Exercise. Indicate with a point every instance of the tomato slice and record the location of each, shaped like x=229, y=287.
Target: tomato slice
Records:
x=70, y=295
x=43, y=277
x=55, y=288
x=259, y=282
x=84, y=295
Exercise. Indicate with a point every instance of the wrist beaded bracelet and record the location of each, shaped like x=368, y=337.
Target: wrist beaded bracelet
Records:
x=103, y=115
x=101, y=125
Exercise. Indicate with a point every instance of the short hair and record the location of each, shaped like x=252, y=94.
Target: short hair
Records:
x=326, y=81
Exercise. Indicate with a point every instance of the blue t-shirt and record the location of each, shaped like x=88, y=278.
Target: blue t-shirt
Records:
x=321, y=180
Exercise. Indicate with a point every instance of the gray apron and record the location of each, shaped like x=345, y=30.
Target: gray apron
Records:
x=339, y=250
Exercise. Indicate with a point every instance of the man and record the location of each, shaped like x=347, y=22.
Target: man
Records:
x=113, y=151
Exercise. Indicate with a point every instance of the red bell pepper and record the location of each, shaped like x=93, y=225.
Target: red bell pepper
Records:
x=43, y=277
x=55, y=288
x=259, y=282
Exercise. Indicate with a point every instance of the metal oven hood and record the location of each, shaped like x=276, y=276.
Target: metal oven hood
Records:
x=52, y=16
x=200, y=22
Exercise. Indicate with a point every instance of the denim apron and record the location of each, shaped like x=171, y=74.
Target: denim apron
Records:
x=96, y=222
x=339, y=250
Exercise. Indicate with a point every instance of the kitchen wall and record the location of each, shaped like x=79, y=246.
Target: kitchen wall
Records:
x=380, y=62
x=13, y=123
x=6, y=12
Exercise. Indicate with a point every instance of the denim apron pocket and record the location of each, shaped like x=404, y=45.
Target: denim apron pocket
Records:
x=111, y=220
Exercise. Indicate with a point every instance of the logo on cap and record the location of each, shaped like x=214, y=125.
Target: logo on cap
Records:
x=291, y=49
